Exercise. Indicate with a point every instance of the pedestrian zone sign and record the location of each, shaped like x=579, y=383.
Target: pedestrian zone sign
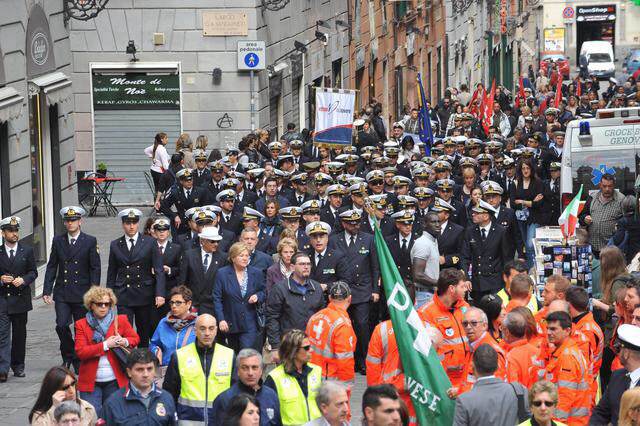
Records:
x=251, y=55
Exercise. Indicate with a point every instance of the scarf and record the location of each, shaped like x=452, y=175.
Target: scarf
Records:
x=100, y=326
x=179, y=323
x=286, y=272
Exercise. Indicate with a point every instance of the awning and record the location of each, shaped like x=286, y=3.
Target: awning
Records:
x=56, y=87
x=10, y=104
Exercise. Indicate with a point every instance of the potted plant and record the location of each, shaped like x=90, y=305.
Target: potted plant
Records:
x=101, y=168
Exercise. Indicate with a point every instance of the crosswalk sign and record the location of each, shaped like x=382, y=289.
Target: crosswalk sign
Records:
x=251, y=55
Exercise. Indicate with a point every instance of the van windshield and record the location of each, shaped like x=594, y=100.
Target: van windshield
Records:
x=625, y=163
x=599, y=57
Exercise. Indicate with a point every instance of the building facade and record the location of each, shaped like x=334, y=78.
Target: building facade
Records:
x=37, y=167
x=391, y=42
x=186, y=57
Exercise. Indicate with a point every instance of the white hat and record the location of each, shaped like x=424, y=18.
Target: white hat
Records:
x=72, y=212
x=210, y=233
x=130, y=214
x=317, y=227
x=629, y=335
x=10, y=222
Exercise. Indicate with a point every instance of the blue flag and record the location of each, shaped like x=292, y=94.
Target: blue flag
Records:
x=426, y=135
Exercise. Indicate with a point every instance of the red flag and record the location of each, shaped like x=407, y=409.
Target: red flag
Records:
x=578, y=88
x=543, y=105
x=477, y=94
x=487, y=116
x=521, y=94
x=636, y=74
x=558, y=99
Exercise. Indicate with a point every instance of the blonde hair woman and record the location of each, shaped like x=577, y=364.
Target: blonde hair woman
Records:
x=184, y=144
x=282, y=269
x=237, y=292
x=543, y=399
x=630, y=408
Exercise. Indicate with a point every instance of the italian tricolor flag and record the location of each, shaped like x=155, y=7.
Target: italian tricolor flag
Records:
x=569, y=218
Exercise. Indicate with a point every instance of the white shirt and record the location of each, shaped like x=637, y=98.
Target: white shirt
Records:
x=634, y=377
x=497, y=213
x=186, y=192
x=9, y=248
x=486, y=229
x=348, y=238
x=203, y=254
x=128, y=238
x=426, y=248
x=160, y=162
x=316, y=259
x=71, y=237
x=402, y=237
x=443, y=226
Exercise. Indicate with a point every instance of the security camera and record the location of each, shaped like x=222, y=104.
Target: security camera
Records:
x=323, y=37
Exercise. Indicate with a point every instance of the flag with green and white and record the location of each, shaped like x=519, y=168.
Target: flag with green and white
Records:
x=425, y=379
x=568, y=220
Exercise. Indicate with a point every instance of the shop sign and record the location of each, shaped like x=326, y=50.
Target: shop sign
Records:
x=136, y=91
x=40, y=58
x=224, y=23
x=596, y=13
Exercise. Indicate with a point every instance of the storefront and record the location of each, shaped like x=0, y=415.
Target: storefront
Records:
x=131, y=102
x=47, y=90
x=595, y=23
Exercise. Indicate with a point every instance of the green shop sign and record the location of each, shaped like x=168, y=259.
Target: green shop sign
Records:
x=136, y=91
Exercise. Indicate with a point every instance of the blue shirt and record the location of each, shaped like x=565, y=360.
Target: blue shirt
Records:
x=300, y=287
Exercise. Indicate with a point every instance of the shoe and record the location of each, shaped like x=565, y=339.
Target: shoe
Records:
x=3, y=377
x=19, y=373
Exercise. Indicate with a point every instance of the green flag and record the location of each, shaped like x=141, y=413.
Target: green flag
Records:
x=425, y=379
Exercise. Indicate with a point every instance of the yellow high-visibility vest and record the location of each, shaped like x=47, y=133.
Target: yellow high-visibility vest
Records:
x=295, y=409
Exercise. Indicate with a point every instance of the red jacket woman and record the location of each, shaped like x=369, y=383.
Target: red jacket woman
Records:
x=90, y=352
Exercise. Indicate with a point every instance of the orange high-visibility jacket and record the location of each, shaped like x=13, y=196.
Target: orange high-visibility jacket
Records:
x=455, y=346
x=568, y=369
x=520, y=359
x=333, y=343
x=541, y=320
x=468, y=379
x=383, y=362
x=592, y=331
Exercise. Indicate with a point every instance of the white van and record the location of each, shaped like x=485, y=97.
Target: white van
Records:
x=608, y=143
x=599, y=57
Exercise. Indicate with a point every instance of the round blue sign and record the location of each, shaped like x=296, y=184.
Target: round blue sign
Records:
x=251, y=60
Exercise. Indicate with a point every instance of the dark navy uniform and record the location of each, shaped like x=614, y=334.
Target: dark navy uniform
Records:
x=507, y=219
x=171, y=257
x=74, y=266
x=15, y=301
x=450, y=245
x=485, y=257
x=137, y=277
x=177, y=197
x=201, y=177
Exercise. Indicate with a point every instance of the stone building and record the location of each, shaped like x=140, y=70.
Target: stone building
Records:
x=37, y=150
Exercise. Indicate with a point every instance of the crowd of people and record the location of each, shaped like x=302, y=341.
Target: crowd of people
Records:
x=265, y=256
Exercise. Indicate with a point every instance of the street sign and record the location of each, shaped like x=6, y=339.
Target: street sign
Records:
x=251, y=55
x=568, y=12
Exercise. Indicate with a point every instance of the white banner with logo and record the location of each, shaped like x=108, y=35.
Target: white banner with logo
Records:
x=334, y=116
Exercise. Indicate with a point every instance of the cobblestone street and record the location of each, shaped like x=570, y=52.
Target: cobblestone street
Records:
x=18, y=395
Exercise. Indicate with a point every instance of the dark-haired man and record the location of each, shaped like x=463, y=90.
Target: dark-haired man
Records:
x=381, y=406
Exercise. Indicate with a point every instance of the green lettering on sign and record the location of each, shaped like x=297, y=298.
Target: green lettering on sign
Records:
x=136, y=91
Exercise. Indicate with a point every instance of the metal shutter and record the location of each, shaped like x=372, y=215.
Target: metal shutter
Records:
x=120, y=139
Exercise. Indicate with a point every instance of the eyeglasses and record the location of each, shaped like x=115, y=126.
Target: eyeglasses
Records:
x=102, y=304
x=176, y=302
x=471, y=323
x=66, y=387
x=306, y=347
x=546, y=403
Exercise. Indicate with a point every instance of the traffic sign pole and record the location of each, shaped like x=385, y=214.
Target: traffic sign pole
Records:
x=253, y=102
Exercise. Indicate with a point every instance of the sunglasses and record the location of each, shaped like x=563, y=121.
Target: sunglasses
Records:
x=546, y=403
x=471, y=323
x=72, y=384
x=102, y=304
x=306, y=347
x=376, y=182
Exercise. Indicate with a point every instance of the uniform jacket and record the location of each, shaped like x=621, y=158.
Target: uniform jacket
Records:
x=608, y=408
x=23, y=265
x=507, y=219
x=73, y=268
x=247, y=198
x=402, y=260
x=486, y=258
x=267, y=397
x=188, y=241
x=228, y=303
x=450, y=245
x=234, y=224
x=193, y=275
x=136, y=277
x=89, y=352
x=287, y=308
x=171, y=258
x=261, y=261
x=176, y=197
x=334, y=266
x=363, y=259
x=201, y=177
x=326, y=215
x=125, y=408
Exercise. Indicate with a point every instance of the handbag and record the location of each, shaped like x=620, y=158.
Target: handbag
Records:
x=122, y=354
x=523, y=214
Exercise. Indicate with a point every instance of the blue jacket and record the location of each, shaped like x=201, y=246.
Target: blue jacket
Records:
x=267, y=397
x=261, y=261
x=125, y=407
x=228, y=303
x=168, y=340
